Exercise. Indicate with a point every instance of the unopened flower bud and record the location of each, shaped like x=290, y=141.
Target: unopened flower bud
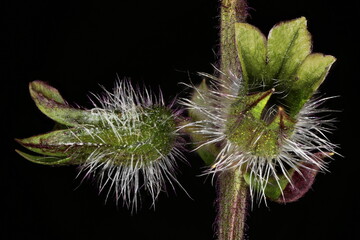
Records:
x=129, y=141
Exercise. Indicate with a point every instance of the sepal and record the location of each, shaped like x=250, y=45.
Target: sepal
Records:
x=301, y=180
x=47, y=160
x=288, y=45
x=307, y=80
x=50, y=102
x=208, y=152
x=63, y=143
x=249, y=127
x=251, y=49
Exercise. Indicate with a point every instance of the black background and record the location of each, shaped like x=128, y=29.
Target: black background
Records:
x=77, y=45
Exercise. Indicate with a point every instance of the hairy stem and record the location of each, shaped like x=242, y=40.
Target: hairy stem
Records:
x=231, y=11
x=232, y=204
x=232, y=189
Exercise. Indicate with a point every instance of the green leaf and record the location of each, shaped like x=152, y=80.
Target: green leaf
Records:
x=198, y=98
x=50, y=102
x=273, y=188
x=62, y=143
x=47, y=91
x=288, y=45
x=308, y=78
x=301, y=180
x=251, y=48
x=208, y=152
x=51, y=144
x=45, y=160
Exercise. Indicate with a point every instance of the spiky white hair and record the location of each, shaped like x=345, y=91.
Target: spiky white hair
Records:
x=299, y=150
x=122, y=111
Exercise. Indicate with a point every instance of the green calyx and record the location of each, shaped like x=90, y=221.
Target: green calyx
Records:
x=279, y=71
x=252, y=130
x=51, y=103
x=147, y=134
x=208, y=152
x=282, y=61
x=156, y=135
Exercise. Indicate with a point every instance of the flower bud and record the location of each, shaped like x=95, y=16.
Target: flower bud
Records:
x=130, y=141
x=264, y=121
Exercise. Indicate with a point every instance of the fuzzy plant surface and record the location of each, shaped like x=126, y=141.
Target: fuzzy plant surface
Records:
x=128, y=141
x=266, y=122
x=258, y=124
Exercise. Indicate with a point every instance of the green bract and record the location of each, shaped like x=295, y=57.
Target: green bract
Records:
x=208, y=152
x=247, y=128
x=283, y=60
x=262, y=121
x=122, y=137
x=129, y=142
x=284, y=63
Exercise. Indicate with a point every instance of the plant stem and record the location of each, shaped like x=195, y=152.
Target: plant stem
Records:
x=231, y=186
x=231, y=11
x=232, y=204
